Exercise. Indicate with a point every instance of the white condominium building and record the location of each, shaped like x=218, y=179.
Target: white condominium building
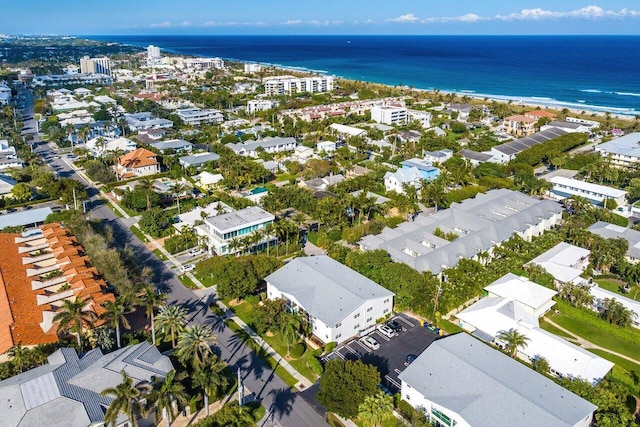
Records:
x=202, y=63
x=252, y=68
x=95, y=65
x=288, y=85
x=195, y=116
x=260, y=105
x=389, y=115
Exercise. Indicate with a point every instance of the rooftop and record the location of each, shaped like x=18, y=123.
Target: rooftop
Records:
x=238, y=219
x=514, y=147
x=310, y=280
x=521, y=289
x=612, y=231
x=26, y=218
x=488, y=388
x=628, y=145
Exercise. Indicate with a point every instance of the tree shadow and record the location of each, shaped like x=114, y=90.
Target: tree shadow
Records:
x=382, y=363
x=283, y=400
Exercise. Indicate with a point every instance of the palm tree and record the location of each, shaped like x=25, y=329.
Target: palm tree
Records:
x=17, y=355
x=178, y=188
x=115, y=314
x=127, y=399
x=194, y=344
x=234, y=244
x=70, y=129
x=291, y=326
x=375, y=409
x=146, y=185
x=151, y=301
x=210, y=376
x=75, y=315
x=513, y=340
x=171, y=320
x=268, y=232
x=83, y=133
x=165, y=391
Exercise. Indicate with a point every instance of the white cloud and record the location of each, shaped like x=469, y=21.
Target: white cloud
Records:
x=186, y=24
x=292, y=22
x=165, y=24
x=408, y=18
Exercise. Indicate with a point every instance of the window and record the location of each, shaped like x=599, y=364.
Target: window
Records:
x=338, y=324
x=338, y=336
x=386, y=310
x=407, y=398
x=386, y=300
x=357, y=326
x=369, y=319
x=356, y=315
x=369, y=309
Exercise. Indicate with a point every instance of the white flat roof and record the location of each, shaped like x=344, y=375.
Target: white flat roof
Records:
x=588, y=187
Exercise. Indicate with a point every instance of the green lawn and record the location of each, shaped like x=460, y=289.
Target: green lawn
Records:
x=187, y=282
x=135, y=230
x=597, y=334
x=389, y=422
x=279, y=370
x=555, y=331
x=114, y=210
x=158, y=253
x=244, y=312
x=614, y=285
x=625, y=372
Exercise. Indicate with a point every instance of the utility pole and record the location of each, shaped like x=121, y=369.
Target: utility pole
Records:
x=75, y=201
x=240, y=389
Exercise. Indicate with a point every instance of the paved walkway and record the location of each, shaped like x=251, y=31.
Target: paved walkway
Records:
x=586, y=344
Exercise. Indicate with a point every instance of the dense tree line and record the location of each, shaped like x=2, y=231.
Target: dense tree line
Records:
x=553, y=148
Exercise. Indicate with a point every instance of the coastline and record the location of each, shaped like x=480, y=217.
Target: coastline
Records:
x=541, y=102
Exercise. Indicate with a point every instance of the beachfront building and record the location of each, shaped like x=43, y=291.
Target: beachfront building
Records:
x=565, y=262
x=140, y=162
x=623, y=151
x=591, y=124
x=422, y=117
x=459, y=381
x=200, y=64
x=39, y=270
x=196, y=116
x=389, y=115
x=255, y=105
x=338, y=302
x=268, y=145
x=146, y=120
x=66, y=390
x=289, y=85
x=99, y=146
x=95, y=65
x=612, y=231
x=514, y=302
x=520, y=125
x=569, y=127
x=481, y=224
x=540, y=114
x=228, y=233
x=251, y=68
x=153, y=56
x=506, y=152
x=597, y=194
x=53, y=80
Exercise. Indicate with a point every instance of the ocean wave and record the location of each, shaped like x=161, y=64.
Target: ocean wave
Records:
x=627, y=93
x=591, y=90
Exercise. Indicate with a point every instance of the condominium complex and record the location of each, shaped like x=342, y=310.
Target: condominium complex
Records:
x=318, y=112
x=196, y=116
x=289, y=85
x=201, y=64
x=95, y=65
x=389, y=115
x=623, y=151
x=260, y=105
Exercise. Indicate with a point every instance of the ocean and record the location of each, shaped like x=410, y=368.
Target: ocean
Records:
x=598, y=73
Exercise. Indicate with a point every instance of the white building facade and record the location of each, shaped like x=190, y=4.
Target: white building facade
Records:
x=226, y=231
x=389, y=115
x=196, y=116
x=289, y=85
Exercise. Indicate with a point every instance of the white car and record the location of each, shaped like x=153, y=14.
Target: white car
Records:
x=370, y=342
x=195, y=251
x=386, y=331
x=187, y=267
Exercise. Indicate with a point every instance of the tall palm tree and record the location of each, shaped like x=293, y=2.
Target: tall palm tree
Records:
x=83, y=133
x=165, y=391
x=76, y=316
x=172, y=320
x=146, y=185
x=291, y=326
x=152, y=301
x=17, y=355
x=127, y=398
x=513, y=340
x=70, y=129
x=375, y=409
x=115, y=314
x=194, y=344
x=211, y=378
x=178, y=188
x=268, y=232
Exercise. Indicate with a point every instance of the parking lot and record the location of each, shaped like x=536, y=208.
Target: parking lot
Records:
x=390, y=358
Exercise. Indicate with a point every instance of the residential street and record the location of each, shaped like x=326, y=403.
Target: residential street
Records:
x=284, y=407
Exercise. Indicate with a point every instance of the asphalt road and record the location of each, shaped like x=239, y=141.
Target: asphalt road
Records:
x=284, y=407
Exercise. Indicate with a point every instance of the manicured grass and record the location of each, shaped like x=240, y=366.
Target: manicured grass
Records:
x=135, y=230
x=625, y=372
x=158, y=253
x=279, y=370
x=598, y=331
x=285, y=177
x=614, y=285
x=114, y=210
x=205, y=280
x=449, y=327
x=187, y=282
x=555, y=331
x=244, y=311
x=389, y=422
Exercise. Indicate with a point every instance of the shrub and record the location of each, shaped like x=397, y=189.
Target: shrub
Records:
x=315, y=364
x=297, y=350
x=180, y=242
x=98, y=171
x=464, y=193
x=330, y=346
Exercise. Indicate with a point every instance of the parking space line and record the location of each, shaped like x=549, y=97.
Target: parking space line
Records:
x=397, y=371
x=382, y=336
x=405, y=321
x=367, y=349
x=392, y=381
x=351, y=350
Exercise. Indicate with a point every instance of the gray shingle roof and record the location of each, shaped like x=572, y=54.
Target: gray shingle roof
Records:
x=30, y=217
x=488, y=388
x=325, y=288
x=66, y=391
x=198, y=159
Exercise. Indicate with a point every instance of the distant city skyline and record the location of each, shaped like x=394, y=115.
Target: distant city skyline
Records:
x=74, y=17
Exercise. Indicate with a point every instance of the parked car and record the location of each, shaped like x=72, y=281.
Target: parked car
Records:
x=187, y=267
x=386, y=331
x=410, y=358
x=370, y=342
x=195, y=251
x=393, y=324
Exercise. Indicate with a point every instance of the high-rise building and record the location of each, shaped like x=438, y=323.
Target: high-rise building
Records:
x=95, y=65
x=153, y=55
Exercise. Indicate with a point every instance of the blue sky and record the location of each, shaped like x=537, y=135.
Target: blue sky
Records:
x=92, y=17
